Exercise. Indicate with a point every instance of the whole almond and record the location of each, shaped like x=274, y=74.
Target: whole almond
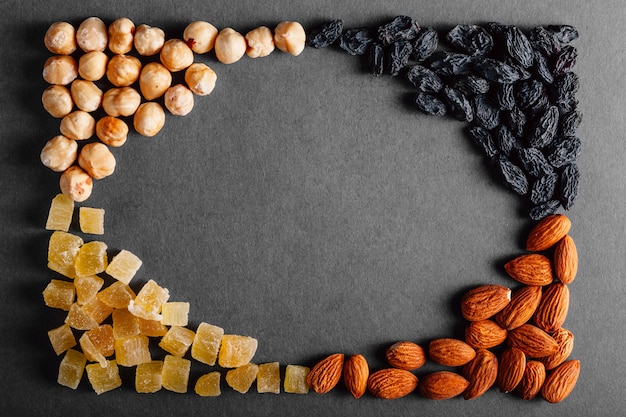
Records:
x=481, y=372
x=552, y=310
x=532, y=381
x=391, y=383
x=325, y=375
x=533, y=341
x=524, y=303
x=406, y=355
x=483, y=302
x=355, y=374
x=566, y=260
x=511, y=367
x=484, y=334
x=450, y=352
x=561, y=381
x=547, y=232
x=565, y=339
x=442, y=385
x=531, y=269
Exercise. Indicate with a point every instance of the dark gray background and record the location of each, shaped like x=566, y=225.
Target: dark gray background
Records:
x=304, y=204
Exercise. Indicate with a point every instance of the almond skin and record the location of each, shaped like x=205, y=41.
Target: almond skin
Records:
x=552, y=310
x=566, y=260
x=524, y=303
x=511, y=367
x=565, y=339
x=355, y=374
x=481, y=372
x=406, y=355
x=531, y=269
x=533, y=341
x=325, y=375
x=484, y=334
x=561, y=381
x=532, y=381
x=391, y=383
x=547, y=232
x=450, y=352
x=484, y=302
x=442, y=385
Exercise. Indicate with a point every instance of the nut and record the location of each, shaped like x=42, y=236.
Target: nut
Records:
x=200, y=36
x=532, y=380
x=355, y=375
x=149, y=119
x=511, y=367
x=179, y=100
x=561, y=381
x=60, y=70
x=60, y=38
x=112, y=131
x=200, y=79
x=485, y=301
x=97, y=160
x=442, y=385
x=484, y=334
x=406, y=355
x=86, y=95
x=565, y=339
x=481, y=372
x=230, y=46
x=92, y=35
x=290, y=37
x=93, y=65
x=531, y=269
x=260, y=42
x=524, y=302
x=566, y=260
x=325, y=375
x=122, y=101
x=547, y=232
x=121, y=35
x=59, y=153
x=450, y=352
x=552, y=310
x=78, y=125
x=123, y=70
x=533, y=341
x=148, y=40
x=176, y=55
x=76, y=183
x=391, y=383
x=154, y=80
x=57, y=100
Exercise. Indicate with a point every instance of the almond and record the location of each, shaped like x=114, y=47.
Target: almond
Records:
x=565, y=339
x=484, y=334
x=450, y=352
x=485, y=301
x=566, y=260
x=531, y=269
x=533, y=341
x=406, y=355
x=547, y=232
x=355, y=374
x=391, y=383
x=511, y=367
x=524, y=303
x=561, y=381
x=481, y=372
x=552, y=310
x=442, y=385
x=532, y=381
x=325, y=375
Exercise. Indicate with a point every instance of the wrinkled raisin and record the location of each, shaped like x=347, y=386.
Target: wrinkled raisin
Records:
x=529, y=93
x=326, y=34
x=543, y=188
x=511, y=175
x=563, y=151
x=458, y=105
x=505, y=140
x=430, y=105
x=519, y=47
x=544, y=128
x=484, y=140
x=496, y=71
x=564, y=33
x=564, y=91
x=504, y=96
x=471, y=39
x=398, y=57
x=425, y=44
x=401, y=27
x=565, y=60
x=496, y=28
x=516, y=121
x=534, y=162
x=486, y=114
x=376, y=59
x=542, y=69
x=545, y=209
x=570, y=122
x=424, y=79
x=472, y=84
x=356, y=41
x=568, y=188
x=453, y=63
x=544, y=41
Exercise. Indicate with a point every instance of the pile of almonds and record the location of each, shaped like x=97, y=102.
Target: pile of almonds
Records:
x=524, y=327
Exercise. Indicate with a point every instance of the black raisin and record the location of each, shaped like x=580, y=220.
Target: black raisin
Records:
x=458, y=104
x=429, y=104
x=398, y=57
x=484, y=140
x=424, y=79
x=376, y=59
x=516, y=121
x=544, y=41
x=564, y=91
x=519, y=47
x=543, y=188
x=534, y=162
x=425, y=44
x=471, y=39
x=401, y=27
x=496, y=71
x=326, y=34
x=544, y=128
x=356, y=41
x=453, y=63
x=568, y=185
x=504, y=96
x=496, y=28
x=545, y=209
x=472, y=84
x=564, y=33
x=565, y=60
x=563, y=150
x=512, y=175
x=486, y=114
x=542, y=69
x=529, y=93
x=570, y=122
x=505, y=140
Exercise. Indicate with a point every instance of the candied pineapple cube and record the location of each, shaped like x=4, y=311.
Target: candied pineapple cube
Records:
x=124, y=266
x=91, y=259
x=97, y=310
x=176, y=373
x=268, y=378
x=148, y=377
x=98, y=343
x=240, y=379
x=62, y=338
x=206, y=344
x=60, y=213
x=117, y=295
x=105, y=378
x=132, y=351
x=175, y=313
x=149, y=300
x=152, y=328
x=79, y=320
x=208, y=385
x=177, y=340
x=236, y=350
x=71, y=369
x=91, y=220
x=59, y=294
x=63, y=248
x=87, y=288
x=124, y=324
x=295, y=379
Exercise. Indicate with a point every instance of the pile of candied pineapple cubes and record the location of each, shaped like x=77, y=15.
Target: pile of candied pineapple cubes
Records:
x=117, y=326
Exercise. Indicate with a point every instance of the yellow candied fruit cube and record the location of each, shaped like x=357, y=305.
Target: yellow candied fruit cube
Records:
x=60, y=213
x=71, y=369
x=240, y=379
x=124, y=266
x=132, y=351
x=98, y=343
x=152, y=328
x=91, y=220
x=176, y=373
x=147, y=304
x=124, y=324
x=175, y=313
x=268, y=378
x=149, y=377
x=59, y=294
x=87, y=288
x=206, y=343
x=97, y=310
x=208, y=385
x=91, y=259
x=117, y=295
x=79, y=320
x=236, y=350
x=62, y=338
x=104, y=379
x=295, y=379
x=63, y=248
x=177, y=340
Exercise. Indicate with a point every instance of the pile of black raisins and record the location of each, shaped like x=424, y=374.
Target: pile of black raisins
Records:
x=516, y=90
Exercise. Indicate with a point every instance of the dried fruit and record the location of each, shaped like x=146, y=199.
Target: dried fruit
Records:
x=486, y=113
x=563, y=151
x=519, y=47
x=405, y=355
x=511, y=367
x=295, y=379
x=552, y=310
x=452, y=64
x=325, y=375
x=424, y=78
x=561, y=381
x=236, y=350
x=511, y=175
x=425, y=44
x=543, y=188
x=533, y=341
x=241, y=378
x=356, y=41
x=175, y=375
x=391, y=383
x=399, y=28
x=104, y=378
x=430, y=105
x=484, y=301
x=568, y=185
x=531, y=269
x=524, y=302
x=547, y=232
x=533, y=162
x=458, y=104
x=545, y=128
x=472, y=39
x=484, y=334
x=496, y=71
x=483, y=138
x=268, y=378
x=442, y=385
x=532, y=381
x=481, y=373
x=450, y=352
x=355, y=374
x=376, y=59
x=398, y=56
x=326, y=34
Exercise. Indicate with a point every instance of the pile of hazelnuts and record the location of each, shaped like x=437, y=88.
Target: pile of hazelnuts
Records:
x=122, y=74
